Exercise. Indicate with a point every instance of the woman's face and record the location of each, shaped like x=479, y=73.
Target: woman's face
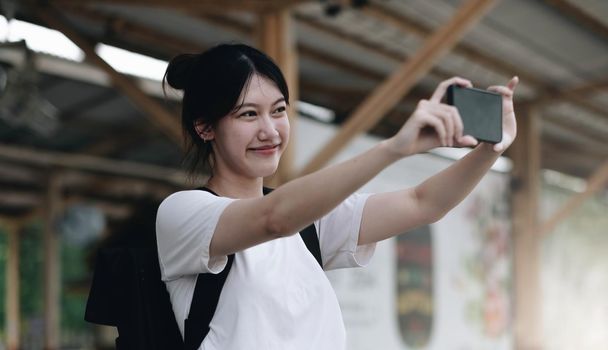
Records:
x=249, y=142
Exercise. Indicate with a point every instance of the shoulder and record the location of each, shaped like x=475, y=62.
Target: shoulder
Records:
x=187, y=197
x=185, y=204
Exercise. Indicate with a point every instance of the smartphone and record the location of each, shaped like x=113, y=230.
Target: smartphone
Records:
x=480, y=110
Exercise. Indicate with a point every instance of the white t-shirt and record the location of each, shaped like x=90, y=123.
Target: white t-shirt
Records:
x=276, y=295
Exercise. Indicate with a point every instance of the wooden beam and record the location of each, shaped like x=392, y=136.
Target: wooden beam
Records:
x=173, y=44
x=578, y=95
x=12, y=303
x=153, y=37
x=558, y=158
x=594, y=138
x=52, y=270
x=304, y=50
x=40, y=158
x=312, y=24
x=595, y=183
x=275, y=37
x=384, y=97
x=19, y=199
x=326, y=58
x=106, y=146
x=557, y=149
x=472, y=54
x=525, y=154
x=165, y=121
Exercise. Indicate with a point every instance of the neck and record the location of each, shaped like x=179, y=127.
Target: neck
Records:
x=237, y=187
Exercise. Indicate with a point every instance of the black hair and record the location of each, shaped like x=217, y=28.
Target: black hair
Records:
x=212, y=82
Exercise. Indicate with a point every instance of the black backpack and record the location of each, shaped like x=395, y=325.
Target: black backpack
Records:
x=127, y=291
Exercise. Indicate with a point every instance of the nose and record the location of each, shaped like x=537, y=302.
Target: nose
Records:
x=268, y=128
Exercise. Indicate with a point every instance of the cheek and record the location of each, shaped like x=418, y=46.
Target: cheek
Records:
x=283, y=128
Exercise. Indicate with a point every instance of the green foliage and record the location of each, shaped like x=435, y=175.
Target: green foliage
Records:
x=74, y=274
x=31, y=270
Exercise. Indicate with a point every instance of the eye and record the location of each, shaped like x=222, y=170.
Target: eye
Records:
x=280, y=109
x=248, y=114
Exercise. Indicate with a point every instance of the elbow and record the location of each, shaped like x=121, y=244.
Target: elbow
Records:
x=429, y=212
x=276, y=226
x=436, y=215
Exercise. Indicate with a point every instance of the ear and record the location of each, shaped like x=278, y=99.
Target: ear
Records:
x=204, y=131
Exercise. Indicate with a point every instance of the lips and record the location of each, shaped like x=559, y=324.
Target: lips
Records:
x=265, y=149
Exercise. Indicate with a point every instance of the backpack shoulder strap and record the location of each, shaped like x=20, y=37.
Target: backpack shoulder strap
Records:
x=311, y=240
x=209, y=287
x=309, y=236
x=204, y=302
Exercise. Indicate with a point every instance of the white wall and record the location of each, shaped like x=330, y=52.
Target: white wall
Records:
x=471, y=261
x=574, y=267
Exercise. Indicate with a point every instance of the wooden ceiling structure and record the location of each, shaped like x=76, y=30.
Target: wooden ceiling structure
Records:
x=370, y=61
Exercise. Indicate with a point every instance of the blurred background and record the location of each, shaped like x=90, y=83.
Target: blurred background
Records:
x=87, y=136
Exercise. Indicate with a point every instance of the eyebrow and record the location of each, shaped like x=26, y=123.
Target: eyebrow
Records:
x=251, y=104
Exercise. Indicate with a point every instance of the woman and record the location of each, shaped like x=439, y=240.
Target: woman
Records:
x=276, y=295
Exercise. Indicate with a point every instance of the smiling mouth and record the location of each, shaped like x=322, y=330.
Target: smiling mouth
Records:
x=266, y=148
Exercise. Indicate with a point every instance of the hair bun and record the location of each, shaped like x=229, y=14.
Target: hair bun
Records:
x=179, y=70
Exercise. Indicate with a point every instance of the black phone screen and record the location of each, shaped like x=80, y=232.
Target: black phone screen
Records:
x=480, y=110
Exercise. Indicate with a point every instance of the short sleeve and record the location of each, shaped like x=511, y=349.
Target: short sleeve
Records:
x=185, y=224
x=339, y=235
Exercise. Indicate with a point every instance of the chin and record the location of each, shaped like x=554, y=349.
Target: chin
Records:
x=263, y=170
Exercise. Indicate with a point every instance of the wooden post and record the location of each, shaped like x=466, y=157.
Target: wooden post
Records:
x=275, y=36
x=52, y=272
x=13, y=316
x=526, y=189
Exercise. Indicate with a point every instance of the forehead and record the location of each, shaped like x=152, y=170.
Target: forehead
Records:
x=260, y=88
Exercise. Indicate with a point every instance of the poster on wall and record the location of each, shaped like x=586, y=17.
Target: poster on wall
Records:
x=414, y=251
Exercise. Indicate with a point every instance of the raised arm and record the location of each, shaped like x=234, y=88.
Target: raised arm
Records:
x=293, y=206
x=392, y=213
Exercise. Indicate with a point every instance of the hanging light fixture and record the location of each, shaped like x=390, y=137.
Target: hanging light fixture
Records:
x=21, y=104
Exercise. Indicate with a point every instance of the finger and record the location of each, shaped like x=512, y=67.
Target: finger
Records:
x=445, y=115
x=437, y=124
x=448, y=117
x=458, y=125
x=468, y=140
x=503, y=90
x=443, y=87
x=451, y=112
x=502, y=145
x=513, y=83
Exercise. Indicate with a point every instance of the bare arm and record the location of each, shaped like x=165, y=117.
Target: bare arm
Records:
x=293, y=206
x=392, y=213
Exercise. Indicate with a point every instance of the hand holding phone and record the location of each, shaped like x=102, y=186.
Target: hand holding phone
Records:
x=480, y=110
